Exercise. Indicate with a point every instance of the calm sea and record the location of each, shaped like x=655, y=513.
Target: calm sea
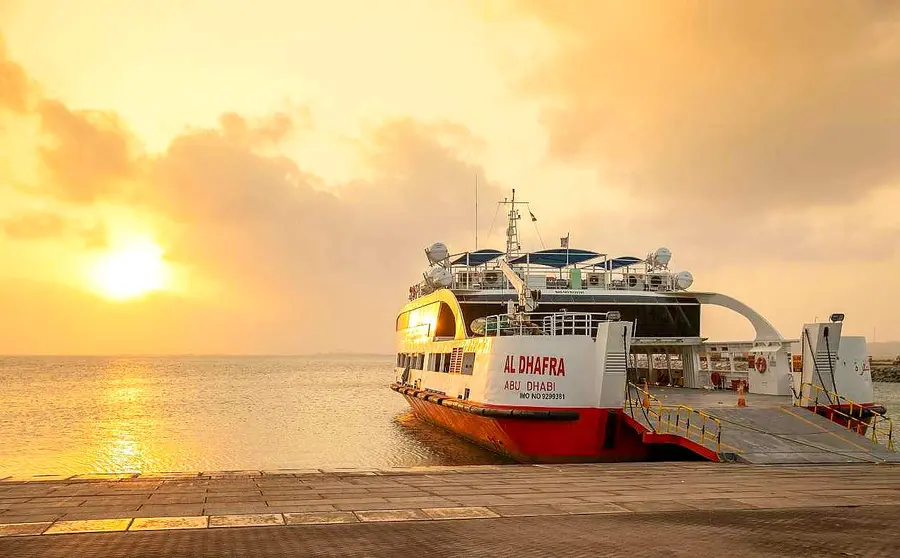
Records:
x=66, y=415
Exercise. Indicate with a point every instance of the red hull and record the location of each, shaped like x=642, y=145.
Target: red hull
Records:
x=596, y=435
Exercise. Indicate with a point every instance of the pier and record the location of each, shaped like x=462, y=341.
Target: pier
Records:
x=635, y=509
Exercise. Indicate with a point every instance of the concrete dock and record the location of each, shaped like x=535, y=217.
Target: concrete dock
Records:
x=634, y=509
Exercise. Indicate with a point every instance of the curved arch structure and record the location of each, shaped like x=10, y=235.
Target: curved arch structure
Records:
x=445, y=296
x=765, y=331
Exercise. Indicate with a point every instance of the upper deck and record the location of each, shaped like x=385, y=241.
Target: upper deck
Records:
x=558, y=271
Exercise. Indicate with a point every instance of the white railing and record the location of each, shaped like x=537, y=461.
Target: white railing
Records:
x=540, y=323
x=619, y=280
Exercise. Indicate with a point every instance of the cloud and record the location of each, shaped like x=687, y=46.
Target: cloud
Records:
x=89, y=156
x=322, y=265
x=14, y=86
x=714, y=103
x=297, y=264
x=264, y=132
x=34, y=225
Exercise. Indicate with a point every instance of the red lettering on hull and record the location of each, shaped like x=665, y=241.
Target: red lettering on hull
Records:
x=538, y=365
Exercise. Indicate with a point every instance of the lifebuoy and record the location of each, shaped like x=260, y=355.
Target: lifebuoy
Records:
x=761, y=364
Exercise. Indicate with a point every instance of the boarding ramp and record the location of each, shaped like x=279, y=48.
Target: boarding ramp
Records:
x=769, y=430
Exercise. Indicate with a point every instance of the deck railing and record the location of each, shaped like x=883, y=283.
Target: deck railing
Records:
x=591, y=279
x=680, y=420
x=541, y=323
x=847, y=412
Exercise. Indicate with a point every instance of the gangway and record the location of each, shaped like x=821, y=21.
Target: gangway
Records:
x=769, y=431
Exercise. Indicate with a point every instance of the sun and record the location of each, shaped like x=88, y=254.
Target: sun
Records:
x=130, y=270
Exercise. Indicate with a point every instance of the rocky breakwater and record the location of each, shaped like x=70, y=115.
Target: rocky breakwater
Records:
x=885, y=372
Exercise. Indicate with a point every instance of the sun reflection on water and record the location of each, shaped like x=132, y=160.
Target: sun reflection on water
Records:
x=124, y=431
x=79, y=415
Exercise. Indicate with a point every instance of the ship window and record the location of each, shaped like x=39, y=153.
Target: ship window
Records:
x=653, y=320
x=420, y=361
x=437, y=317
x=446, y=322
x=472, y=311
x=468, y=364
x=445, y=365
x=399, y=359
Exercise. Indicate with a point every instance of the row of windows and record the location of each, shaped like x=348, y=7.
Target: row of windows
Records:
x=651, y=320
x=438, y=362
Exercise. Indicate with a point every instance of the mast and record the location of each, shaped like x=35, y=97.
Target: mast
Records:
x=512, y=228
x=476, y=211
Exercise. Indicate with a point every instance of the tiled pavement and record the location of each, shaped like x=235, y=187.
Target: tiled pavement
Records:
x=840, y=532
x=184, y=501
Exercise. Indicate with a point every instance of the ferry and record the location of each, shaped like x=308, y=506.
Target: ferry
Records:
x=567, y=355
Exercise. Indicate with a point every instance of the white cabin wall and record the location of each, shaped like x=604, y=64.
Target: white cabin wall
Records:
x=853, y=374
x=690, y=358
x=776, y=380
x=578, y=387
x=611, y=348
x=453, y=385
x=819, y=356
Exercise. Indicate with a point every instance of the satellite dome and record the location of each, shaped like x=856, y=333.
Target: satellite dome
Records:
x=439, y=277
x=437, y=252
x=683, y=280
x=661, y=257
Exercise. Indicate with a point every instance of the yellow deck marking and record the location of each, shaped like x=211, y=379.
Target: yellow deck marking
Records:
x=835, y=434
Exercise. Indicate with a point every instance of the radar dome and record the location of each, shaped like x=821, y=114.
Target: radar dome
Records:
x=661, y=257
x=437, y=252
x=439, y=277
x=683, y=280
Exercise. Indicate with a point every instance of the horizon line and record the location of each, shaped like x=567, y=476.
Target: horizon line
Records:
x=319, y=354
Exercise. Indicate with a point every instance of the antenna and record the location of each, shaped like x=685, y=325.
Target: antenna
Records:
x=476, y=211
x=512, y=231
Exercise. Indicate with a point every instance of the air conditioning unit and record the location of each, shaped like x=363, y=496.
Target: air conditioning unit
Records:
x=635, y=282
x=492, y=278
x=596, y=280
x=657, y=282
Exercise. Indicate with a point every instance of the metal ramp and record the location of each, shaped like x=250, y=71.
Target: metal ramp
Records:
x=788, y=434
x=768, y=435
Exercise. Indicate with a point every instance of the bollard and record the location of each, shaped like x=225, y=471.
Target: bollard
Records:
x=741, y=402
x=645, y=400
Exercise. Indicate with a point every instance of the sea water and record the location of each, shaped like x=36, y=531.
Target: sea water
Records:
x=71, y=415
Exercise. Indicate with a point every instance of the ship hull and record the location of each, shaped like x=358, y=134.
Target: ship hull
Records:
x=596, y=435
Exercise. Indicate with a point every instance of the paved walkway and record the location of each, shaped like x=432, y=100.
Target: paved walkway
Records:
x=99, y=503
x=868, y=532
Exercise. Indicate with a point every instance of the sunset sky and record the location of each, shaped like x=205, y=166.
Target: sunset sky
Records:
x=270, y=171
